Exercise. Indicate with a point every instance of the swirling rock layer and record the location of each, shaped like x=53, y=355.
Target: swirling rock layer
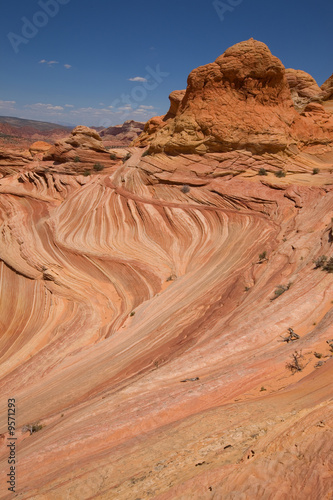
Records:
x=144, y=314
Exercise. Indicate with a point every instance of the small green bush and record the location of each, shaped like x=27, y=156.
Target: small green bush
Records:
x=320, y=262
x=145, y=153
x=132, y=313
x=281, y=289
x=329, y=266
x=113, y=156
x=262, y=171
x=315, y=171
x=86, y=173
x=77, y=159
x=263, y=256
x=280, y=173
x=98, y=167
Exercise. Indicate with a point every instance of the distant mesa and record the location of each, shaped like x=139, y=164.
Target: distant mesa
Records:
x=122, y=135
x=246, y=99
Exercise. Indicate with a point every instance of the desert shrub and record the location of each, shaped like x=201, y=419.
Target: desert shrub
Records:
x=262, y=171
x=32, y=427
x=329, y=265
x=127, y=157
x=98, y=167
x=132, y=313
x=145, y=153
x=185, y=189
x=296, y=364
x=113, y=156
x=315, y=171
x=86, y=173
x=320, y=262
x=263, y=255
x=281, y=289
x=326, y=265
x=280, y=173
x=77, y=159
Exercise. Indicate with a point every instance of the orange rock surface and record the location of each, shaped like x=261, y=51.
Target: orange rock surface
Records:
x=145, y=308
x=242, y=100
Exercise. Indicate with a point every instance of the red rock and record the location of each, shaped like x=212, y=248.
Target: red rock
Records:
x=241, y=101
x=39, y=147
x=327, y=88
x=158, y=122
x=304, y=88
x=84, y=145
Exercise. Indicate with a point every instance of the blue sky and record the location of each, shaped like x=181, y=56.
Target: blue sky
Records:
x=100, y=62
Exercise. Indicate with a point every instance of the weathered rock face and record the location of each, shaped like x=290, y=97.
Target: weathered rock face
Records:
x=39, y=147
x=84, y=145
x=327, y=88
x=243, y=101
x=158, y=122
x=10, y=158
x=303, y=87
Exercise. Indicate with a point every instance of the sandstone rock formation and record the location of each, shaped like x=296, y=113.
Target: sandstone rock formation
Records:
x=303, y=87
x=241, y=101
x=10, y=158
x=83, y=146
x=39, y=147
x=122, y=135
x=327, y=88
x=158, y=122
x=146, y=310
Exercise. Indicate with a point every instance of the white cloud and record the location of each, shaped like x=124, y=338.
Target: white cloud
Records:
x=69, y=106
x=128, y=107
x=138, y=79
x=9, y=105
x=49, y=63
x=39, y=106
x=146, y=107
x=67, y=66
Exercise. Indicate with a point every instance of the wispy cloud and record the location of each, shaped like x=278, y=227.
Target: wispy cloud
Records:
x=7, y=104
x=146, y=107
x=138, y=79
x=67, y=66
x=39, y=106
x=49, y=63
